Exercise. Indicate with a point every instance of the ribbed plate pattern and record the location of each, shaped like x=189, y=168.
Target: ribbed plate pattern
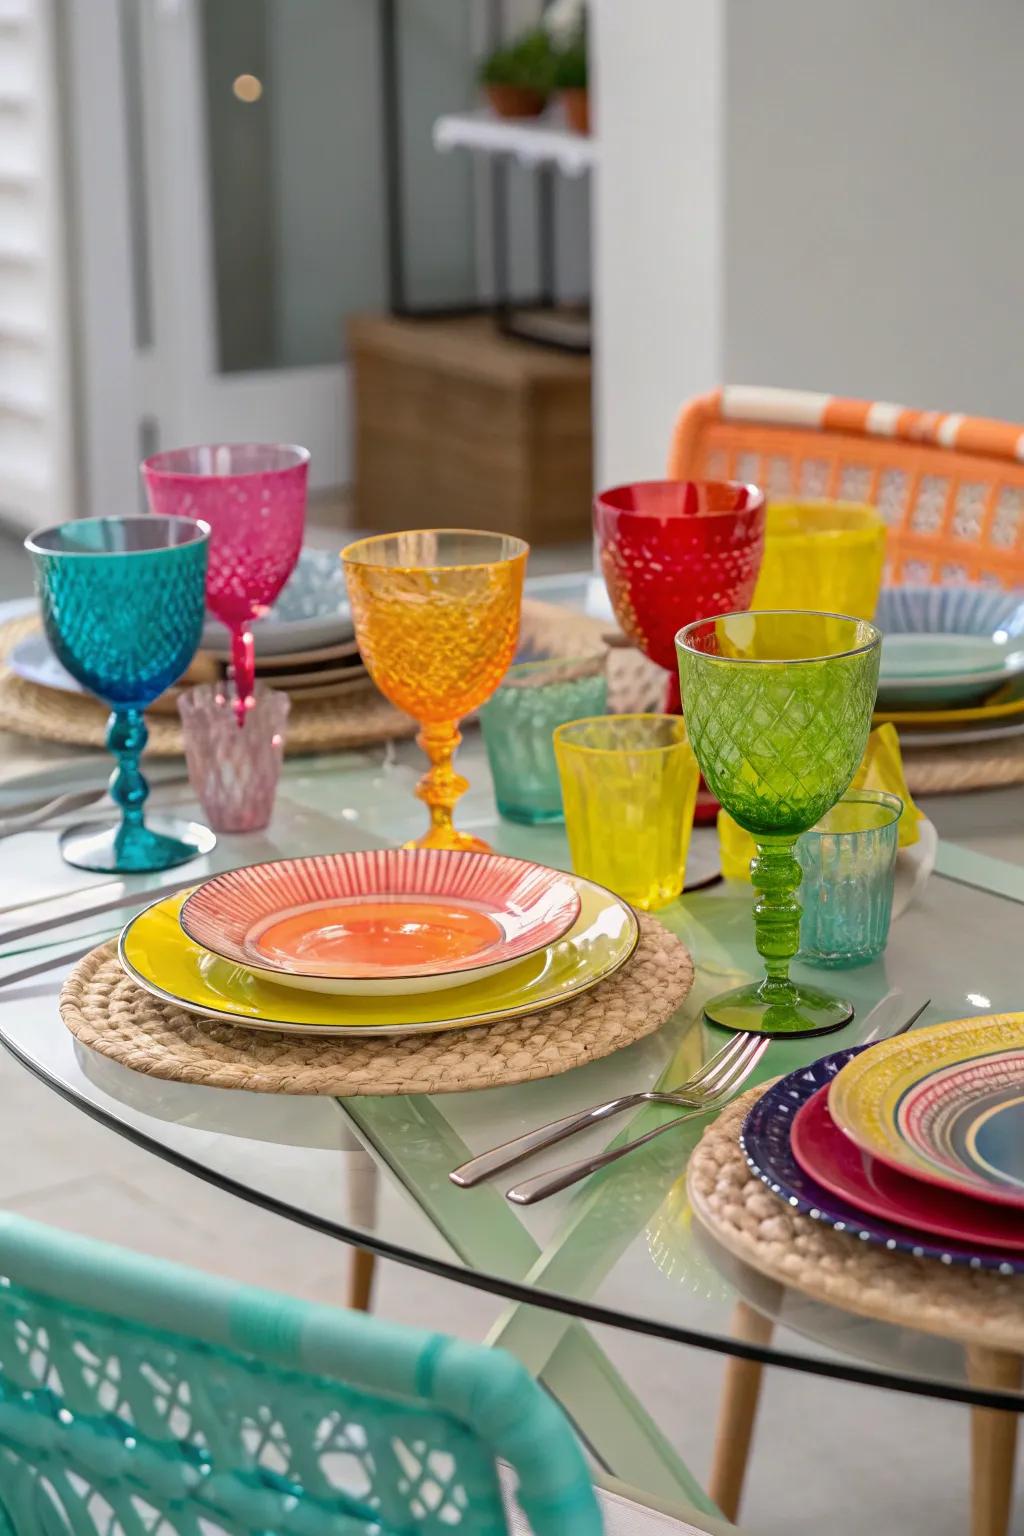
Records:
x=534, y=906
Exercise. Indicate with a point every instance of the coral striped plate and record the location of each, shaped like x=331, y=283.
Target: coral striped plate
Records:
x=385, y=920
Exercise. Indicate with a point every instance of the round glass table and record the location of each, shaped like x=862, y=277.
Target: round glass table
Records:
x=622, y=1248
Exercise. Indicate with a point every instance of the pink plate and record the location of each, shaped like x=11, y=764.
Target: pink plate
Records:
x=834, y=1160
x=388, y=919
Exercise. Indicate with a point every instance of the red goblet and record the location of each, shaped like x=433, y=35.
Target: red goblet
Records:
x=674, y=551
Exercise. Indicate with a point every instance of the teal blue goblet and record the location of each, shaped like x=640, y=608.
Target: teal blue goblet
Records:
x=122, y=600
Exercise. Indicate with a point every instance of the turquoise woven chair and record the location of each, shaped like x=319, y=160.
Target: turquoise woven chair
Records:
x=139, y=1398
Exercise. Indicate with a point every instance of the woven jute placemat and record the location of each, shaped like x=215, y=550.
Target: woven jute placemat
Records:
x=971, y=1306
x=105, y=1010
x=979, y=765
x=356, y=719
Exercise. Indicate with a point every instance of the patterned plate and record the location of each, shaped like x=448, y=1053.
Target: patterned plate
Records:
x=765, y=1140
x=384, y=920
x=160, y=958
x=830, y=1157
x=944, y=1104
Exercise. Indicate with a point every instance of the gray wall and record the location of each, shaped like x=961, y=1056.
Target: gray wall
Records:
x=874, y=223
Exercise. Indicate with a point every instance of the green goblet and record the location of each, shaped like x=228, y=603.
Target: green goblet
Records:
x=778, y=709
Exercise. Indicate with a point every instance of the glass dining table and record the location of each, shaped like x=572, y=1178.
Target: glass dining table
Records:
x=619, y=1249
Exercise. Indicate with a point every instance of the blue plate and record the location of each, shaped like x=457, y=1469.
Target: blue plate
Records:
x=765, y=1143
x=947, y=646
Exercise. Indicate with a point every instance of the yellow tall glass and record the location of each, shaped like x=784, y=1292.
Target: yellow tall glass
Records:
x=436, y=615
x=822, y=555
x=629, y=786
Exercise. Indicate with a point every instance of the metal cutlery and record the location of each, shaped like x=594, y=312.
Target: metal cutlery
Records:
x=511, y=1152
x=125, y=896
x=36, y=812
x=719, y=1086
x=34, y=816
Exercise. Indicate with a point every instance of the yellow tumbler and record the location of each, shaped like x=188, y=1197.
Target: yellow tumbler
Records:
x=824, y=555
x=629, y=786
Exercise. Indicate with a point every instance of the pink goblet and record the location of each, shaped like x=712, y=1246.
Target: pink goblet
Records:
x=674, y=551
x=253, y=495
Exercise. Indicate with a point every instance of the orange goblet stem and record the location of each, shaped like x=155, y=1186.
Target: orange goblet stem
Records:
x=439, y=789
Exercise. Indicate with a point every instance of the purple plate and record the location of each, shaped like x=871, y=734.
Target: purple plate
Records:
x=765, y=1143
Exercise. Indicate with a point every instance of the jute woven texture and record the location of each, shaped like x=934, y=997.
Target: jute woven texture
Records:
x=971, y=1306
x=356, y=719
x=105, y=1010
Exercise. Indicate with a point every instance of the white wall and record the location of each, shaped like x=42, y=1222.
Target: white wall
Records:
x=874, y=232
x=817, y=195
x=657, y=223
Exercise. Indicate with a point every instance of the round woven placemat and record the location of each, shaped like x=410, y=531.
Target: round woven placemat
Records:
x=981, y=765
x=356, y=719
x=971, y=1306
x=105, y=1010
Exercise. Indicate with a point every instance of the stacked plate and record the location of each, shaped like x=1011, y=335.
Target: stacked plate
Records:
x=385, y=942
x=916, y=1143
x=952, y=668
x=304, y=644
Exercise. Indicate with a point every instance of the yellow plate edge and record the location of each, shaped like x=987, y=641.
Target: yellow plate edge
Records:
x=469, y=1021
x=871, y=1127
x=926, y=717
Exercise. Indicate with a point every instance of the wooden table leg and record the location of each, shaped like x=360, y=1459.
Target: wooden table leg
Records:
x=360, y=1279
x=737, y=1411
x=993, y=1442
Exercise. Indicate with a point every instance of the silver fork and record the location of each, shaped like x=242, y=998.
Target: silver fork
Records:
x=726, y=1084
x=718, y=1087
x=511, y=1152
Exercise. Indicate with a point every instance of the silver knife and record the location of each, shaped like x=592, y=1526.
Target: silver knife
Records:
x=125, y=897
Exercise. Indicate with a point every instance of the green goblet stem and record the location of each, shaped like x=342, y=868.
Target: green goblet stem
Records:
x=776, y=874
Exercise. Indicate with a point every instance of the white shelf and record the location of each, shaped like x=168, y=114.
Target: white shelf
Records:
x=532, y=141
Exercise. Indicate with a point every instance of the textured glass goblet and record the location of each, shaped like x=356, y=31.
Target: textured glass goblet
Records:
x=778, y=707
x=436, y=615
x=253, y=495
x=122, y=604
x=677, y=550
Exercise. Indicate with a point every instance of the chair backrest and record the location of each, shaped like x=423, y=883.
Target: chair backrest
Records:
x=950, y=487
x=140, y=1397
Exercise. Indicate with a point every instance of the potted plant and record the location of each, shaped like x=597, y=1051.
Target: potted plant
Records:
x=518, y=78
x=571, y=79
x=566, y=25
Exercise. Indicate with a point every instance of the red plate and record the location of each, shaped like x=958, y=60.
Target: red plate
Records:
x=824, y=1152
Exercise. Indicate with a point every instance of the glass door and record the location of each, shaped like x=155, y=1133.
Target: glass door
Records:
x=234, y=194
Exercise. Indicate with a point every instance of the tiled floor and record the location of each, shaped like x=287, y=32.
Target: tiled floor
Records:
x=828, y=1457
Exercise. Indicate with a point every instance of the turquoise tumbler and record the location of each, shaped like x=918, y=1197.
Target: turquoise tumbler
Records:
x=849, y=866
x=122, y=601
x=518, y=722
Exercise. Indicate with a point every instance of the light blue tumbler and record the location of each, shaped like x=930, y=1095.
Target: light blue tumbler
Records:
x=849, y=865
x=519, y=720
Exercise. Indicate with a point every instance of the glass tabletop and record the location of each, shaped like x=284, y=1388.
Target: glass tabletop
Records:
x=622, y=1248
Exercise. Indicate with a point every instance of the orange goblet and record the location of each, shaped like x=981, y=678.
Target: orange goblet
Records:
x=436, y=614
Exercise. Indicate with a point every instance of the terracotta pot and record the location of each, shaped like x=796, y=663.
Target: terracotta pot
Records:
x=576, y=101
x=515, y=100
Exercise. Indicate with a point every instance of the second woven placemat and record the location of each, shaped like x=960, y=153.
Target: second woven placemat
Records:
x=978, y=765
x=971, y=1306
x=106, y=1011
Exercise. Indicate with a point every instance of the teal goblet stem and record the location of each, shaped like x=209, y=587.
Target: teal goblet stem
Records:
x=122, y=603
x=137, y=846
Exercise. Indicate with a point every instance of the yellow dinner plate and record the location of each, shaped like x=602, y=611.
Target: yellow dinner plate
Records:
x=159, y=956
x=868, y=1097
x=926, y=717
